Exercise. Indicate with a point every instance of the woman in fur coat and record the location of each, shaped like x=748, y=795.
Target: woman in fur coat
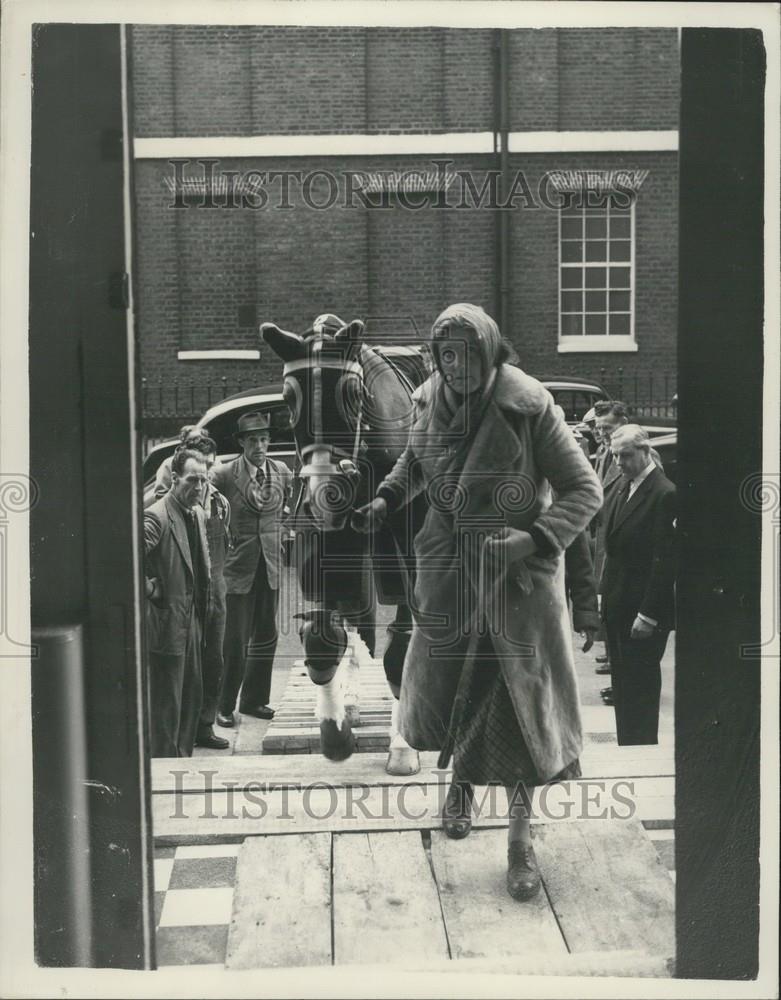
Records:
x=489, y=672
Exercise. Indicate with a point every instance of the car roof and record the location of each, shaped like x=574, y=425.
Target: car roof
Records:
x=259, y=395
x=570, y=381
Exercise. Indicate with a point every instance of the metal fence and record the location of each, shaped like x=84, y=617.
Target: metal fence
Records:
x=168, y=404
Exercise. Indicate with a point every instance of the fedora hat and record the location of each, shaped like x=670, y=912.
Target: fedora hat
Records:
x=249, y=422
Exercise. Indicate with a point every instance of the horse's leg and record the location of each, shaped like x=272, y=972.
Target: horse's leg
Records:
x=350, y=670
x=402, y=758
x=325, y=642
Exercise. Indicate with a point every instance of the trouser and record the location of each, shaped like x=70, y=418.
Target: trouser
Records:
x=636, y=678
x=250, y=644
x=213, y=661
x=176, y=694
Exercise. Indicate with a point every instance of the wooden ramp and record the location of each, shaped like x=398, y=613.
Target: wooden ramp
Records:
x=295, y=729
x=366, y=898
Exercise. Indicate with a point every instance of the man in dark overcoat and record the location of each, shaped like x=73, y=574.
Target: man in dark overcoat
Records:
x=637, y=584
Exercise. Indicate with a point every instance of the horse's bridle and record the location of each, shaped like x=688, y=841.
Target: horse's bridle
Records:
x=341, y=460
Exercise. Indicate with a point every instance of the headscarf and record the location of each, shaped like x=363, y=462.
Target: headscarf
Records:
x=470, y=409
x=489, y=339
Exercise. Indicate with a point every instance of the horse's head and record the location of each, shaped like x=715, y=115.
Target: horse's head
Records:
x=324, y=390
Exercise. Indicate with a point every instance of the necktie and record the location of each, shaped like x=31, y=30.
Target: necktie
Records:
x=259, y=482
x=629, y=490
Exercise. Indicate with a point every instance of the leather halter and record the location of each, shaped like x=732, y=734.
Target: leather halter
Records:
x=347, y=464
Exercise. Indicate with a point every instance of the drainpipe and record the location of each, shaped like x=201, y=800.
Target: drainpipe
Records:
x=501, y=134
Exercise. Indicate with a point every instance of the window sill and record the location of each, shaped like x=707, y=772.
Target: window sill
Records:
x=218, y=355
x=585, y=345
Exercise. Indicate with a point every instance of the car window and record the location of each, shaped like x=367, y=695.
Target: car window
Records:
x=223, y=427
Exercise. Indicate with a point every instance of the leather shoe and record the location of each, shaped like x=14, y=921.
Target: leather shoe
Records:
x=523, y=876
x=607, y=696
x=259, y=712
x=457, y=810
x=227, y=720
x=212, y=742
x=604, y=669
x=606, y=691
x=602, y=659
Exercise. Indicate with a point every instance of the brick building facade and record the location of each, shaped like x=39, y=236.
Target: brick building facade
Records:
x=589, y=290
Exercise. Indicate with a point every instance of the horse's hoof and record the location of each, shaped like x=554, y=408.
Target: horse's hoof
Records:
x=353, y=714
x=336, y=742
x=402, y=761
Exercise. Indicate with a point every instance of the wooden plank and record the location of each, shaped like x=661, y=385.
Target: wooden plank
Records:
x=282, y=903
x=607, y=886
x=215, y=816
x=385, y=902
x=481, y=919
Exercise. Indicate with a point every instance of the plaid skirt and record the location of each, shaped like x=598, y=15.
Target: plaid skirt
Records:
x=489, y=746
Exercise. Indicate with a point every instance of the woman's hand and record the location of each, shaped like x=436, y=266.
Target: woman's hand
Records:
x=510, y=544
x=370, y=517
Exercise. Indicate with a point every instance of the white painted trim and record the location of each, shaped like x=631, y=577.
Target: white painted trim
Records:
x=218, y=355
x=585, y=345
x=412, y=144
x=237, y=147
x=593, y=142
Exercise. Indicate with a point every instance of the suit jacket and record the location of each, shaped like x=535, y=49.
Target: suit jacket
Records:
x=639, y=571
x=168, y=558
x=255, y=532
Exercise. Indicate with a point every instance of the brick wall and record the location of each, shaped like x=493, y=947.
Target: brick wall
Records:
x=250, y=80
x=203, y=273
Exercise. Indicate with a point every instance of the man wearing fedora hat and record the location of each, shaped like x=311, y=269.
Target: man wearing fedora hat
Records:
x=257, y=489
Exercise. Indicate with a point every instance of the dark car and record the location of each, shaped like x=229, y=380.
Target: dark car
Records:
x=575, y=396
x=219, y=422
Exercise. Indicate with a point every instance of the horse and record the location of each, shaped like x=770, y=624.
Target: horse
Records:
x=350, y=409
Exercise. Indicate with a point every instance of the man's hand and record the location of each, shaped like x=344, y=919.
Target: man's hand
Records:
x=370, y=517
x=641, y=629
x=153, y=588
x=588, y=634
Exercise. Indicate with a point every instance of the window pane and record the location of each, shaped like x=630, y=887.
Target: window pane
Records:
x=595, y=325
x=596, y=276
x=571, y=251
x=620, y=226
x=572, y=277
x=572, y=302
x=619, y=277
x=571, y=229
x=596, y=250
x=619, y=301
x=620, y=250
x=571, y=325
x=619, y=324
x=596, y=227
x=596, y=301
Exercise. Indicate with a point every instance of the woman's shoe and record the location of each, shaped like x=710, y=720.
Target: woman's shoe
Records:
x=523, y=876
x=457, y=811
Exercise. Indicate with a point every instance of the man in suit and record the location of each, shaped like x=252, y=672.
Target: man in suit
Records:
x=609, y=416
x=257, y=489
x=637, y=584
x=177, y=589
